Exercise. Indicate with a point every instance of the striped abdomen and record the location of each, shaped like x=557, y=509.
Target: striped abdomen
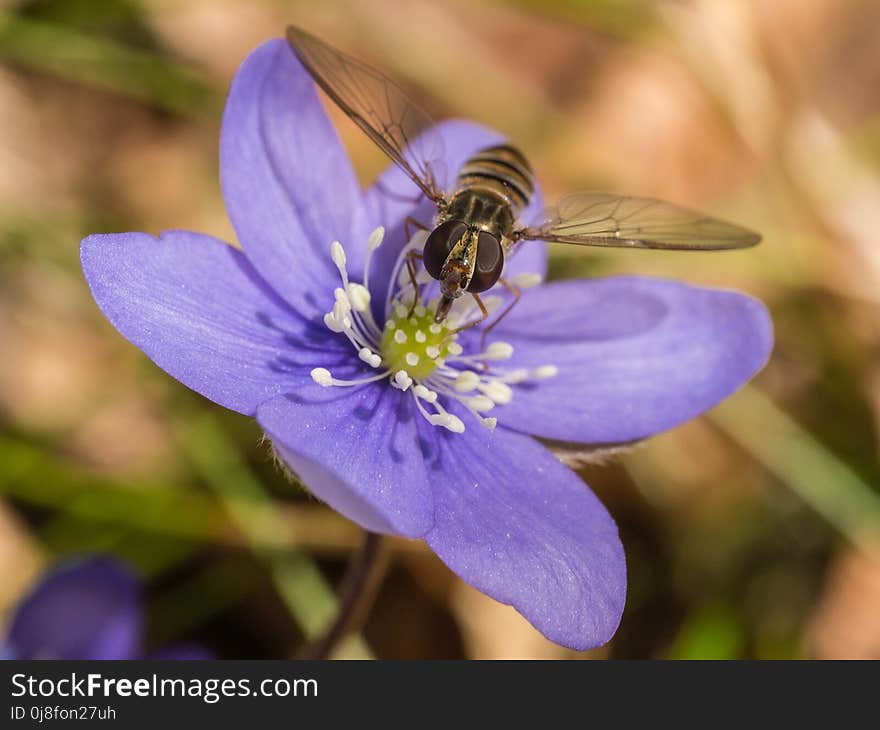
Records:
x=503, y=170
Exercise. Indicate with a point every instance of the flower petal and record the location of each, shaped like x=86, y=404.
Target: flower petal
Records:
x=198, y=309
x=635, y=356
x=287, y=181
x=89, y=609
x=358, y=449
x=394, y=196
x=516, y=524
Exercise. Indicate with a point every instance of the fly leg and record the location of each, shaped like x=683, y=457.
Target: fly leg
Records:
x=410, y=221
x=411, y=256
x=412, y=270
x=484, y=313
x=516, y=292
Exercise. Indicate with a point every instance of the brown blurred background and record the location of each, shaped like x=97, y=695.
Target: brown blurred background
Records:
x=751, y=532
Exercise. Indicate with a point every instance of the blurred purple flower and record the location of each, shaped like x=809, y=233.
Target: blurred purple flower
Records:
x=84, y=609
x=405, y=452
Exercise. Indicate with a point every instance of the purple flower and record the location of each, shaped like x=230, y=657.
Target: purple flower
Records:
x=382, y=415
x=85, y=609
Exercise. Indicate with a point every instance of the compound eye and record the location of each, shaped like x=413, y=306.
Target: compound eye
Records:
x=490, y=263
x=439, y=244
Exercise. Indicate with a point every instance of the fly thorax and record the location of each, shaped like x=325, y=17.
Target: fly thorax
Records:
x=484, y=209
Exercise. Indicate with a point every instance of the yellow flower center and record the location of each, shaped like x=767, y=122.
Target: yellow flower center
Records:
x=415, y=343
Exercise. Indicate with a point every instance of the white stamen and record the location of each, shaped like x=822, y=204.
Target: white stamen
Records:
x=454, y=423
x=370, y=357
x=481, y=403
x=432, y=351
x=466, y=380
x=407, y=298
x=448, y=421
x=376, y=238
x=337, y=253
x=435, y=329
x=342, y=306
x=498, y=351
x=419, y=238
x=322, y=377
x=497, y=391
x=454, y=348
x=545, y=371
x=358, y=297
x=516, y=376
x=527, y=280
x=402, y=379
x=332, y=323
x=492, y=302
x=426, y=394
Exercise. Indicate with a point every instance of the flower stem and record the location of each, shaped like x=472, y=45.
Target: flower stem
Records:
x=356, y=594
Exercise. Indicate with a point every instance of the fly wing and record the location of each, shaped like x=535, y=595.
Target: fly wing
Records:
x=378, y=106
x=605, y=219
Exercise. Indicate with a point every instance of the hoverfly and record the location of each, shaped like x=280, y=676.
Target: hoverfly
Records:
x=476, y=226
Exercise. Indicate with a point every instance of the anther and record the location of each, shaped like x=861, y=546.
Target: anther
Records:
x=358, y=297
x=498, y=351
x=402, y=379
x=376, y=238
x=337, y=253
x=545, y=371
x=369, y=357
x=418, y=239
x=481, y=403
x=466, y=380
x=322, y=377
x=448, y=421
x=332, y=323
x=516, y=376
x=426, y=394
x=497, y=391
x=527, y=280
